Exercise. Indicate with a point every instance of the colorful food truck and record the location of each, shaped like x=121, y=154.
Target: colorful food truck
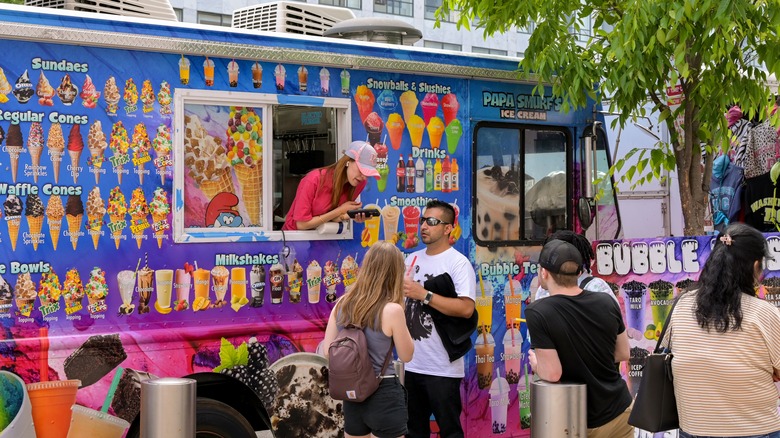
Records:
x=148, y=168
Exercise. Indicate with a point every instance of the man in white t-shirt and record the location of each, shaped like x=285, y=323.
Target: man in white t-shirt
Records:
x=432, y=381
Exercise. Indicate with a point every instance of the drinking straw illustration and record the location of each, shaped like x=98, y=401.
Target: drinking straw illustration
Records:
x=411, y=266
x=481, y=284
x=112, y=389
x=43, y=359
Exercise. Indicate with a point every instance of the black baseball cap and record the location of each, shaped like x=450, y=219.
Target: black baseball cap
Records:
x=557, y=252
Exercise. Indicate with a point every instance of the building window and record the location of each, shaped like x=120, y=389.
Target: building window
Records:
x=487, y=51
x=214, y=19
x=179, y=14
x=521, y=183
x=443, y=46
x=527, y=29
x=352, y=4
x=430, y=11
x=395, y=7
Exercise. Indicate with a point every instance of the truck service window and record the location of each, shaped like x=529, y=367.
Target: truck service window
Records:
x=240, y=158
x=520, y=183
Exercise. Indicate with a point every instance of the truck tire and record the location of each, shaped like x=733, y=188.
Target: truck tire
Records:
x=214, y=420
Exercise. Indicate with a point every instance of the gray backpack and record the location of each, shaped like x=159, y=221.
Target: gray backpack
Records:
x=351, y=375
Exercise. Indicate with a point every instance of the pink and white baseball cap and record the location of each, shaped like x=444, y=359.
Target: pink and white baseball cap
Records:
x=364, y=156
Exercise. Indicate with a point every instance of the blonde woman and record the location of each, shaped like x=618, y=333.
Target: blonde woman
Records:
x=376, y=304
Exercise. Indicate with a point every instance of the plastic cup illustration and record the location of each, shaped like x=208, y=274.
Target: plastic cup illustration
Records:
x=497, y=208
x=257, y=75
x=449, y=106
x=257, y=283
x=277, y=283
x=484, y=305
x=295, y=281
x=182, y=283
x=435, y=131
x=636, y=363
x=126, y=281
x=220, y=275
x=184, y=70
x=232, y=73
x=145, y=281
x=513, y=343
x=331, y=280
x=395, y=127
x=51, y=406
x=303, y=79
x=279, y=75
x=87, y=422
x=661, y=300
x=409, y=103
x=429, y=104
x=453, y=131
x=238, y=298
x=371, y=232
x=163, y=282
x=513, y=301
x=208, y=72
x=324, y=81
x=485, y=347
x=411, y=225
x=387, y=103
x=344, y=82
x=16, y=401
x=524, y=397
x=364, y=98
x=499, y=403
x=200, y=278
x=314, y=281
x=635, y=308
x=416, y=127
x=381, y=183
x=390, y=215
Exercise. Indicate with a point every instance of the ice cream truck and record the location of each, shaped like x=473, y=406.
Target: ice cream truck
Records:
x=148, y=167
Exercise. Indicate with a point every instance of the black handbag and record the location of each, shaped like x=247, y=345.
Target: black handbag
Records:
x=655, y=406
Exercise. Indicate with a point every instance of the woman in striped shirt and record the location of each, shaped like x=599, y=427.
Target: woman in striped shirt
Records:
x=726, y=345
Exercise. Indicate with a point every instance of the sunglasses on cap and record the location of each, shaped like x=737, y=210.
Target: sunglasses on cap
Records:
x=432, y=221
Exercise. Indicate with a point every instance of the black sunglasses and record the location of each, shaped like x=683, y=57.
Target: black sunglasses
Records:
x=432, y=221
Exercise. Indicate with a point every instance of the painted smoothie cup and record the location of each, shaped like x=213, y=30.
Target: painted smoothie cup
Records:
x=661, y=300
x=635, y=308
x=51, y=406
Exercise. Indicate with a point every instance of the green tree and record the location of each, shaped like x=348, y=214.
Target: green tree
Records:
x=638, y=48
x=13, y=2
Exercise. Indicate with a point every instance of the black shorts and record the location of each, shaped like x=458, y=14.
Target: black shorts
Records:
x=383, y=414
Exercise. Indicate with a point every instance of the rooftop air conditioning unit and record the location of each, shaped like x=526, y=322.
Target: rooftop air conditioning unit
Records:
x=290, y=17
x=158, y=9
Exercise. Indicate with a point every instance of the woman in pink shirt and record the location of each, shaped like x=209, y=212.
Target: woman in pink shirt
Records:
x=326, y=194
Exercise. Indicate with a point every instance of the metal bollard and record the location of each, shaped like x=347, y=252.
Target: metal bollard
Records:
x=168, y=408
x=558, y=410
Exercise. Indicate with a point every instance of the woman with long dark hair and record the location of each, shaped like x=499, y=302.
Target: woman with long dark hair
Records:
x=726, y=344
x=375, y=303
x=328, y=193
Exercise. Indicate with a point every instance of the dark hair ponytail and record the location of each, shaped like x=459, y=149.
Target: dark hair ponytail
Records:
x=728, y=273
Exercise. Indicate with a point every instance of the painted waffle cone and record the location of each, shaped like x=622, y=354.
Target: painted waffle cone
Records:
x=75, y=156
x=95, y=231
x=138, y=237
x=117, y=234
x=13, y=230
x=56, y=159
x=74, y=226
x=97, y=154
x=119, y=173
x=35, y=154
x=159, y=233
x=251, y=181
x=141, y=167
x=35, y=223
x=13, y=153
x=55, y=225
x=224, y=183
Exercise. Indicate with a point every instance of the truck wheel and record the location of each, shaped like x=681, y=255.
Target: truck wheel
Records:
x=218, y=420
x=214, y=420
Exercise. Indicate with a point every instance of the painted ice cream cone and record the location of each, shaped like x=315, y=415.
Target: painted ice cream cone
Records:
x=409, y=103
x=5, y=87
x=120, y=144
x=160, y=208
x=96, y=141
x=205, y=157
x=56, y=145
x=96, y=209
x=111, y=96
x=245, y=154
x=139, y=211
x=34, y=214
x=12, y=207
x=54, y=214
x=142, y=146
x=75, y=147
x=74, y=213
x=117, y=209
x=13, y=145
x=162, y=147
x=35, y=148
